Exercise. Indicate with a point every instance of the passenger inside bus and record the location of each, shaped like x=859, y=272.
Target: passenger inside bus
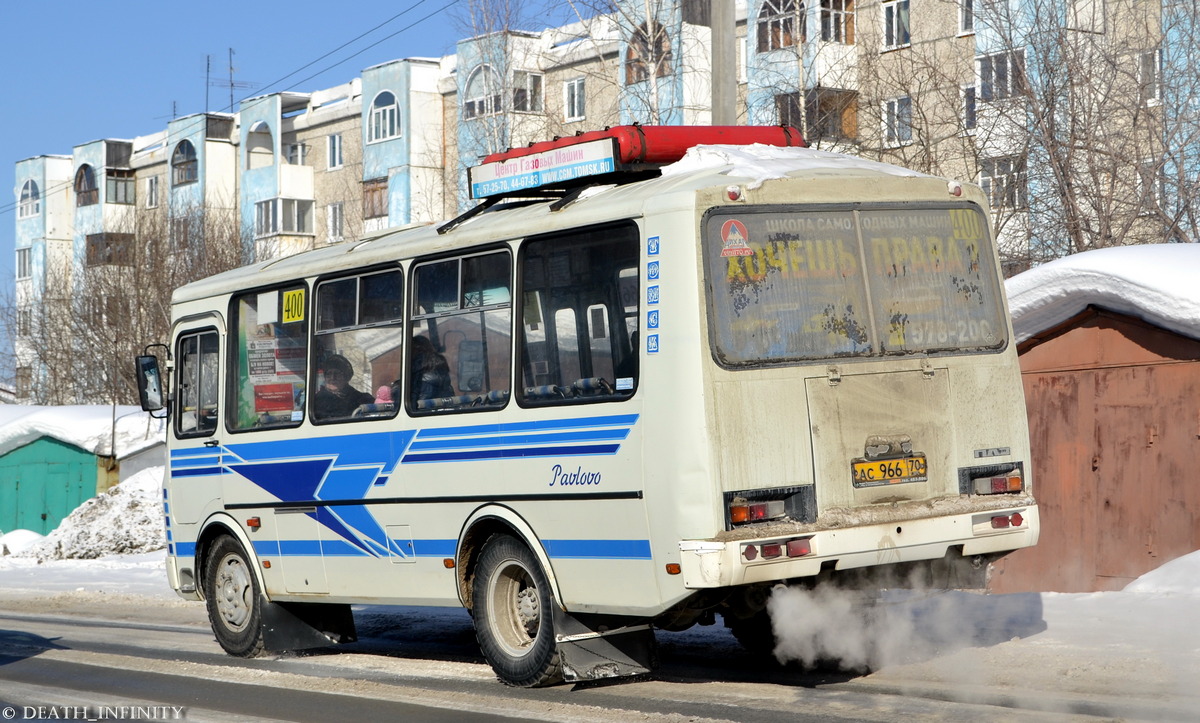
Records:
x=430, y=372
x=336, y=397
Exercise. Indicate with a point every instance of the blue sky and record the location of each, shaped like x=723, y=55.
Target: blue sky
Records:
x=79, y=71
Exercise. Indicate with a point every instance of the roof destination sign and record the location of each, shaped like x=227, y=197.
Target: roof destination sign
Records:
x=546, y=168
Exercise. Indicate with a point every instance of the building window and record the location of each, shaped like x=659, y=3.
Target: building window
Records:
x=831, y=114
x=895, y=24
x=837, y=21
x=1003, y=180
x=969, y=118
x=110, y=249
x=788, y=110
x=574, y=99
x=482, y=94
x=121, y=186
x=1001, y=75
x=297, y=154
x=1150, y=76
x=384, y=122
x=897, y=121
x=283, y=215
x=650, y=46
x=152, y=192
x=24, y=380
x=86, y=192
x=375, y=198
x=183, y=164
x=24, y=322
x=1151, y=187
x=527, y=92
x=781, y=24
x=24, y=263
x=31, y=200
x=335, y=151
x=334, y=222
x=966, y=17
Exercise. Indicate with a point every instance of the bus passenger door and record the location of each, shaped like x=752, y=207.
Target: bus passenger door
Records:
x=193, y=478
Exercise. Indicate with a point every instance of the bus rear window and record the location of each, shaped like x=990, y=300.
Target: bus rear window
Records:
x=793, y=285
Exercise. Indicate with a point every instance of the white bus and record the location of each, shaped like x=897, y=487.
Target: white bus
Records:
x=645, y=399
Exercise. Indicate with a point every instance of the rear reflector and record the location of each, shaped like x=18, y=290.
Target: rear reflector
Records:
x=999, y=523
x=799, y=548
x=1003, y=484
x=772, y=550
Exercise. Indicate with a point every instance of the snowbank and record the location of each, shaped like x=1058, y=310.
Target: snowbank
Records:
x=1157, y=283
x=88, y=427
x=763, y=163
x=17, y=541
x=1180, y=576
x=128, y=519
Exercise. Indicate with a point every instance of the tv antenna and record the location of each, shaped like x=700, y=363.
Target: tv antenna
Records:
x=232, y=84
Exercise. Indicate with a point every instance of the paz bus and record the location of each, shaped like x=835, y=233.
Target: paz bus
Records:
x=655, y=373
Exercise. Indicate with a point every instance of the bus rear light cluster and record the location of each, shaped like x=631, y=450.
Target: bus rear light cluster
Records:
x=1001, y=522
x=741, y=512
x=798, y=547
x=1006, y=483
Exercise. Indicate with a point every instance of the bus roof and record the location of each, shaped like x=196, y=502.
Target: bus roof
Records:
x=703, y=167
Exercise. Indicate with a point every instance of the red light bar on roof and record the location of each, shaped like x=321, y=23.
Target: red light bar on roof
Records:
x=563, y=162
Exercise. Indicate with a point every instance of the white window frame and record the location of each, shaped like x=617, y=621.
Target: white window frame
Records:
x=335, y=219
x=897, y=121
x=152, y=192
x=966, y=17
x=897, y=24
x=24, y=263
x=266, y=218
x=31, y=200
x=574, y=99
x=1150, y=76
x=24, y=321
x=383, y=122
x=1004, y=176
x=334, y=148
x=532, y=84
x=836, y=21
x=994, y=85
x=297, y=154
x=969, y=106
x=482, y=94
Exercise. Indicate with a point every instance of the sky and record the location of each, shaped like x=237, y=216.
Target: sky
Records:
x=77, y=71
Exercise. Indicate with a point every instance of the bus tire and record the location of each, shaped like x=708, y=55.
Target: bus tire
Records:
x=233, y=599
x=513, y=611
x=755, y=634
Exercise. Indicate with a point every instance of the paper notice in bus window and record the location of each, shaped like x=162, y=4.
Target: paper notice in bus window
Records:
x=273, y=398
x=268, y=307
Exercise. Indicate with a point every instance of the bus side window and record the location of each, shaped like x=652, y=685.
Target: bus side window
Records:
x=461, y=332
x=358, y=345
x=270, y=339
x=580, y=307
x=196, y=408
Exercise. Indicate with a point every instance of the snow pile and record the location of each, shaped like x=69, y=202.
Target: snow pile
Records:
x=17, y=541
x=1157, y=283
x=1180, y=576
x=763, y=163
x=128, y=519
x=88, y=427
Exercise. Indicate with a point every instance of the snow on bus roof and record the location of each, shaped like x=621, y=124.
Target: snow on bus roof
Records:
x=1158, y=283
x=88, y=427
x=763, y=163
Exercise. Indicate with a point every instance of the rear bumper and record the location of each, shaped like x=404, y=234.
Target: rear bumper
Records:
x=713, y=564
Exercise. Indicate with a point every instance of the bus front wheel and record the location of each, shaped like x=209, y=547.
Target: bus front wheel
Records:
x=233, y=599
x=513, y=614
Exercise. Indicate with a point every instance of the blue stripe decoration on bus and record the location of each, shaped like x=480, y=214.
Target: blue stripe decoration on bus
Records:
x=345, y=468
x=555, y=549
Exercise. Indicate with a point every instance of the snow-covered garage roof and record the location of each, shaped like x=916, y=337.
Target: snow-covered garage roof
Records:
x=88, y=427
x=1157, y=283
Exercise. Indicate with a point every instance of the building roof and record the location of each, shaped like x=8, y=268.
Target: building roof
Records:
x=1158, y=283
x=88, y=427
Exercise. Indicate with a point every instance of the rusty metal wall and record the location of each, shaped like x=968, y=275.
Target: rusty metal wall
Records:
x=1114, y=413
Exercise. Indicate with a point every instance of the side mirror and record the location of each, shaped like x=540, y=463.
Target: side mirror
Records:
x=149, y=382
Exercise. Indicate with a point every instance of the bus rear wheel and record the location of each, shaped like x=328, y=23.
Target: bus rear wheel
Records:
x=233, y=599
x=513, y=612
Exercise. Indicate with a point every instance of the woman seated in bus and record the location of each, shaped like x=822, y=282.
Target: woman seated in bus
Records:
x=430, y=372
x=336, y=398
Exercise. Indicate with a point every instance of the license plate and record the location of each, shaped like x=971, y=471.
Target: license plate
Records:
x=881, y=472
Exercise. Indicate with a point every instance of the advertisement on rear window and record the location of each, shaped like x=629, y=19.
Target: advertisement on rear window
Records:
x=823, y=284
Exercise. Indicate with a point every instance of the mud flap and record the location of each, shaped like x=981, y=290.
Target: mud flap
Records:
x=603, y=646
x=296, y=626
